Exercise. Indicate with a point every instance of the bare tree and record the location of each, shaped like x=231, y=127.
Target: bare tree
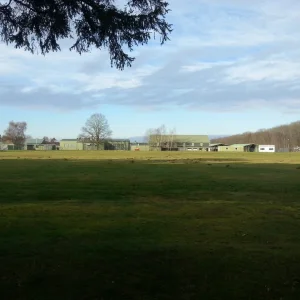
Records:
x=172, y=133
x=284, y=136
x=147, y=135
x=40, y=25
x=160, y=137
x=96, y=130
x=16, y=133
x=45, y=140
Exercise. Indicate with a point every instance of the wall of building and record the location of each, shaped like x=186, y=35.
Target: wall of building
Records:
x=231, y=149
x=266, y=148
x=70, y=145
x=106, y=145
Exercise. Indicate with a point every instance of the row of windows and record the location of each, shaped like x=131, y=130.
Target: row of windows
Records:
x=69, y=146
x=184, y=144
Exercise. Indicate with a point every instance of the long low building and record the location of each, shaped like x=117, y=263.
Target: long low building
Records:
x=239, y=148
x=111, y=144
x=246, y=148
x=178, y=143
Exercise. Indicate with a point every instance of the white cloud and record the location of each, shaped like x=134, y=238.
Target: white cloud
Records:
x=270, y=70
x=223, y=55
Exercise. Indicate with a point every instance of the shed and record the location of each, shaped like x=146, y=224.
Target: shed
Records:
x=214, y=147
x=239, y=148
x=33, y=144
x=266, y=148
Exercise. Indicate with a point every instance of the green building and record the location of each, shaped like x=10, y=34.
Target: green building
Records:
x=178, y=143
x=70, y=144
x=111, y=144
x=239, y=148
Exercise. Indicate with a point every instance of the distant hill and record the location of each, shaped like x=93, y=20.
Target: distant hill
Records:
x=284, y=136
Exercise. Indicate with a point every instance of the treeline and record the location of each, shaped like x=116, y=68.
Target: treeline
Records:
x=284, y=136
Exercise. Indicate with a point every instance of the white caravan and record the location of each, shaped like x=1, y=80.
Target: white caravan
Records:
x=266, y=148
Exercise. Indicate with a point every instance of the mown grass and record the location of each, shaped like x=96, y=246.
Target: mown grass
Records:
x=117, y=225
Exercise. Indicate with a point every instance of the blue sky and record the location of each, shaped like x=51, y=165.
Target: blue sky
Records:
x=230, y=66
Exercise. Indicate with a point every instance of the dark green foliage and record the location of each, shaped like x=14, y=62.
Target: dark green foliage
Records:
x=40, y=24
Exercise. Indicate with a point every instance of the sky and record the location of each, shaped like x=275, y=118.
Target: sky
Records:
x=230, y=66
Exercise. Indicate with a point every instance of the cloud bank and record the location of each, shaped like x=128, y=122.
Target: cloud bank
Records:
x=224, y=55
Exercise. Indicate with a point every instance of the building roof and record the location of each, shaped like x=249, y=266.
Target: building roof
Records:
x=111, y=140
x=33, y=141
x=69, y=140
x=217, y=144
x=118, y=140
x=241, y=145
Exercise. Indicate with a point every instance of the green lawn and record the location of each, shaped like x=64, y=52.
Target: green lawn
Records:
x=146, y=226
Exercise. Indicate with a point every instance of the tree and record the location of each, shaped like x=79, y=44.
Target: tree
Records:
x=96, y=130
x=16, y=133
x=45, y=140
x=160, y=137
x=38, y=25
x=53, y=141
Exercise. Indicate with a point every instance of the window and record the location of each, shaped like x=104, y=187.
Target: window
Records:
x=262, y=149
x=271, y=149
x=236, y=148
x=226, y=148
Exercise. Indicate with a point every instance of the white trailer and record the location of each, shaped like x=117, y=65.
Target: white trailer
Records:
x=266, y=148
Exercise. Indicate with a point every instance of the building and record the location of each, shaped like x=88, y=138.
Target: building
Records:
x=33, y=144
x=70, y=144
x=266, y=148
x=39, y=144
x=178, y=143
x=111, y=144
x=214, y=147
x=239, y=148
x=3, y=147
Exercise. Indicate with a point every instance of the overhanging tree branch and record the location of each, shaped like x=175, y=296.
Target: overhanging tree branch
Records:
x=39, y=25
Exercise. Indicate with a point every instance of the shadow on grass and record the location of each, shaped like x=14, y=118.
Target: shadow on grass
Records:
x=143, y=230
x=87, y=272
x=120, y=180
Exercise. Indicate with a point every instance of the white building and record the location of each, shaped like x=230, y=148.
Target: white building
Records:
x=266, y=148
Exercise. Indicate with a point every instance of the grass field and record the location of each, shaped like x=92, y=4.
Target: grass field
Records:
x=133, y=225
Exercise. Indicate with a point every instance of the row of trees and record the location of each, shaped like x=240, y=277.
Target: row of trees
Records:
x=96, y=131
x=160, y=137
x=284, y=136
